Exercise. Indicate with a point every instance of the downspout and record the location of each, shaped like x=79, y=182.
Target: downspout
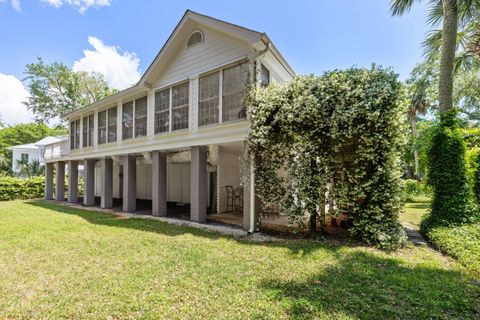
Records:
x=266, y=42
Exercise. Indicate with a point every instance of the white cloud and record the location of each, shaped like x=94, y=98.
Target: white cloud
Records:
x=120, y=69
x=80, y=5
x=12, y=96
x=16, y=5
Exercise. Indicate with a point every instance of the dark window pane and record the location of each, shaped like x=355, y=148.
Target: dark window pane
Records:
x=162, y=110
x=72, y=135
x=85, y=132
x=77, y=134
x=90, y=130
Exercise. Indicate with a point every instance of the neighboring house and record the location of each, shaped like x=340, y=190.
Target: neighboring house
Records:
x=32, y=151
x=177, y=137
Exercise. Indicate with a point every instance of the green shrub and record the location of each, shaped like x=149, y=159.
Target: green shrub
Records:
x=340, y=132
x=416, y=191
x=17, y=188
x=447, y=176
x=460, y=242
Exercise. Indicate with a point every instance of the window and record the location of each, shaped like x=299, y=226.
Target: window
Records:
x=24, y=157
x=264, y=76
x=180, y=106
x=112, y=125
x=141, y=117
x=72, y=135
x=162, y=111
x=85, y=132
x=90, y=130
x=75, y=134
x=127, y=120
x=209, y=99
x=102, y=127
x=235, y=81
x=195, y=38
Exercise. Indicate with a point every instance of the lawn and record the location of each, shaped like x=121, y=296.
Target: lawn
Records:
x=60, y=262
x=460, y=242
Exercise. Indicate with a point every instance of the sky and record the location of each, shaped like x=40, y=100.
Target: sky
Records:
x=120, y=38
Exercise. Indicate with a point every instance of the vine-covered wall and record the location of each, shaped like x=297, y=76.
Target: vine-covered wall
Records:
x=338, y=139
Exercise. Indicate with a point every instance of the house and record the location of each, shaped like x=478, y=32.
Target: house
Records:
x=31, y=152
x=175, y=140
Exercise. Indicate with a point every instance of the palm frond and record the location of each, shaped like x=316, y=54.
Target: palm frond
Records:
x=399, y=7
x=435, y=13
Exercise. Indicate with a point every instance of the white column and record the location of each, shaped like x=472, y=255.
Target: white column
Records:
x=129, y=183
x=89, y=182
x=251, y=203
x=106, y=200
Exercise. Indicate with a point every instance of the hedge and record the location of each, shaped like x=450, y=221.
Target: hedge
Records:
x=17, y=188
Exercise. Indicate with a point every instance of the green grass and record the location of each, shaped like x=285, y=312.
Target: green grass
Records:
x=60, y=262
x=412, y=213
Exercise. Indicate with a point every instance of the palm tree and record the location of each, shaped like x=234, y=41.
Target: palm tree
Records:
x=419, y=100
x=451, y=13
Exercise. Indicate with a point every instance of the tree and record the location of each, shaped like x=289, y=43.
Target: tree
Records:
x=29, y=169
x=55, y=89
x=419, y=98
x=450, y=13
x=22, y=134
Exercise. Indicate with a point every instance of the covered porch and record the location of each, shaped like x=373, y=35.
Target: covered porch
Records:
x=199, y=183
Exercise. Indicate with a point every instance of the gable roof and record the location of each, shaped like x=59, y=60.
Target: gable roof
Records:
x=258, y=40
x=39, y=143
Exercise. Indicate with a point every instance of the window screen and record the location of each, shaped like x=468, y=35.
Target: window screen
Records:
x=127, y=120
x=141, y=117
x=77, y=134
x=90, y=130
x=209, y=99
x=85, y=132
x=72, y=135
x=112, y=124
x=102, y=127
x=162, y=111
x=180, y=107
x=264, y=76
x=235, y=81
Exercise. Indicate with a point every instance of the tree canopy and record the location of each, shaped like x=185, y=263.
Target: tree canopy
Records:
x=55, y=89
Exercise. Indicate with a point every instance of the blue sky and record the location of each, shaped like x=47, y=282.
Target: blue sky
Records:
x=121, y=37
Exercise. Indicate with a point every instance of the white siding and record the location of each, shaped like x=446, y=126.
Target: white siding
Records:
x=217, y=50
x=17, y=155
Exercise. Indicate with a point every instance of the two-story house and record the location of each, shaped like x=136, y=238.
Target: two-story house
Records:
x=177, y=137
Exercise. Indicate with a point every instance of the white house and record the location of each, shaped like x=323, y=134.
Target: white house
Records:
x=32, y=151
x=175, y=140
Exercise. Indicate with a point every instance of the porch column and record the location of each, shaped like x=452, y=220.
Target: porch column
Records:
x=89, y=182
x=48, y=181
x=129, y=183
x=60, y=181
x=72, y=181
x=107, y=183
x=159, y=184
x=198, y=184
x=251, y=203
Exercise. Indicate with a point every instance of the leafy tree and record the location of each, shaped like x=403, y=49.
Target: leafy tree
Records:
x=419, y=99
x=451, y=13
x=22, y=134
x=55, y=89
x=30, y=169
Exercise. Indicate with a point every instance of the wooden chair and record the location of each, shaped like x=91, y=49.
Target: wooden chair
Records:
x=230, y=198
x=238, y=200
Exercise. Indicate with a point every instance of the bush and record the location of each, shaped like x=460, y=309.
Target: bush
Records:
x=16, y=188
x=340, y=132
x=447, y=176
x=460, y=242
x=416, y=191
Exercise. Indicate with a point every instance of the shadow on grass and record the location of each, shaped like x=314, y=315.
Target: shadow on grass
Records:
x=367, y=286
x=418, y=205
x=359, y=284
x=298, y=248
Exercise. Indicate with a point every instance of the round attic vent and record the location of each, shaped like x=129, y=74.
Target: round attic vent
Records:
x=195, y=38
